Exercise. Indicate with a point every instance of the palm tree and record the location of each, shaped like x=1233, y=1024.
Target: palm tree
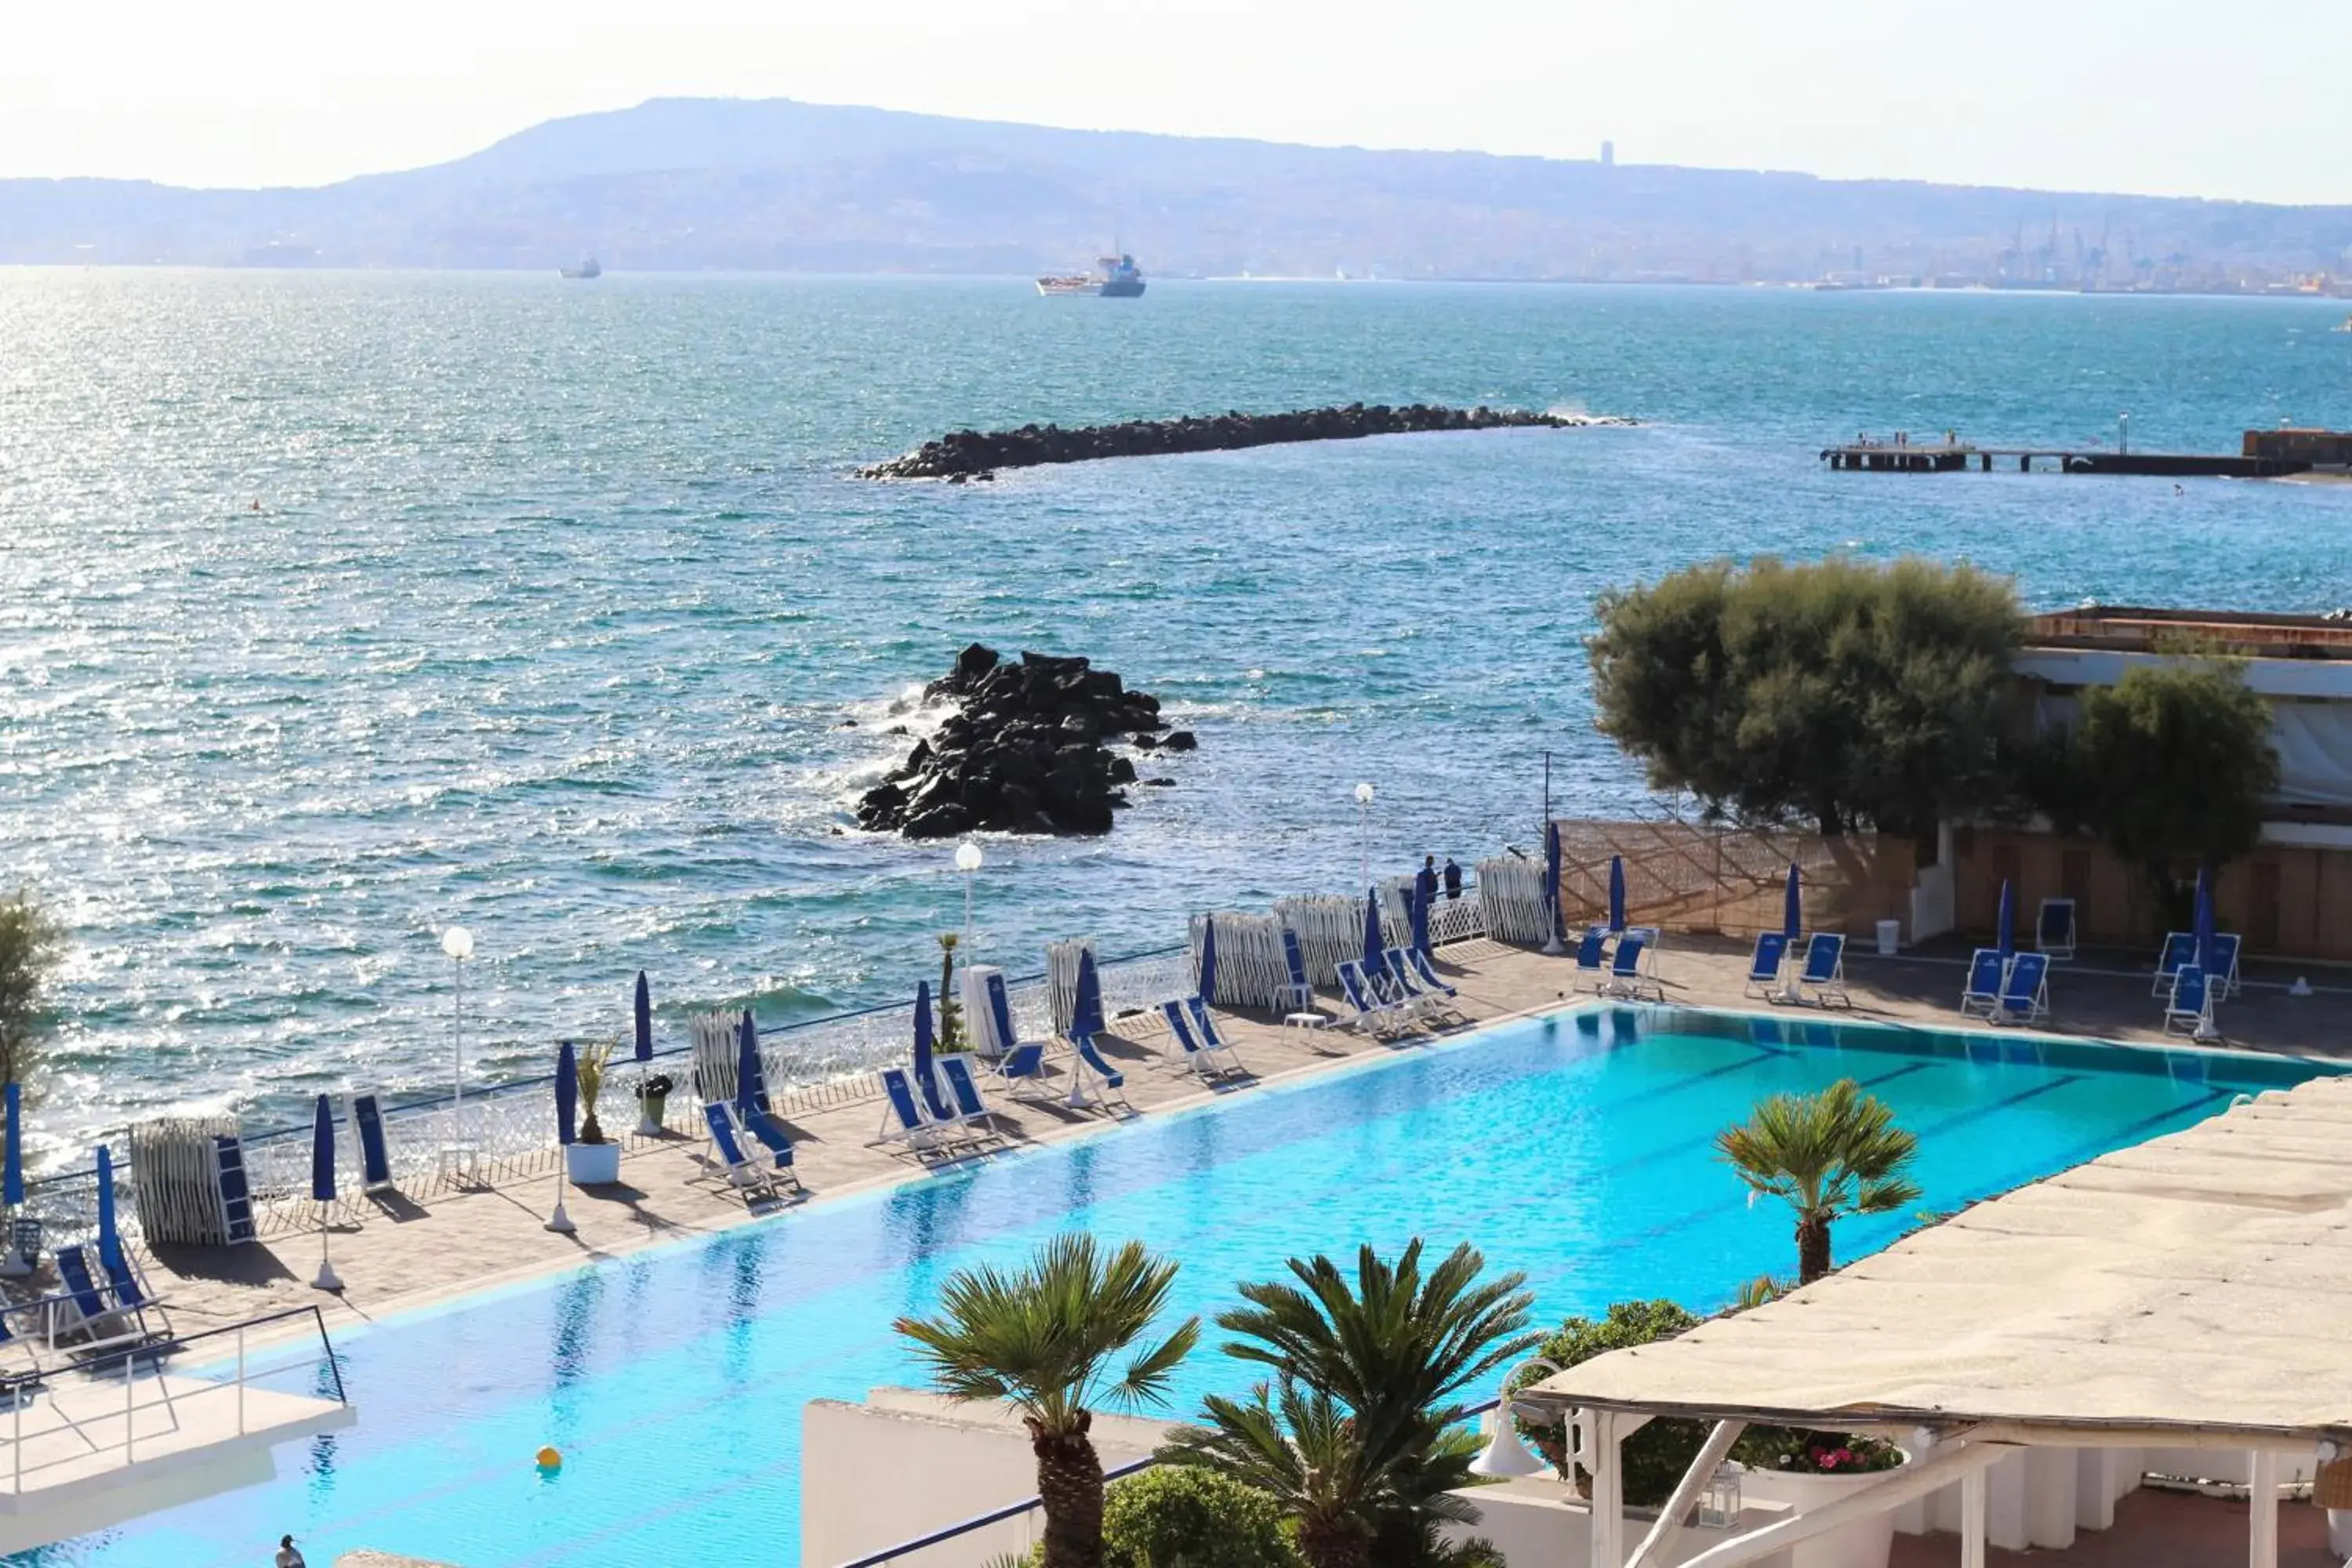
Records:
x=1301, y=1448
x=1390, y=1351
x=1828, y=1155
x=1042, y=1340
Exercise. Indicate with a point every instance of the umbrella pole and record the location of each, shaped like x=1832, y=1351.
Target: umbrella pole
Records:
x=327, y=1279
x=559, y=1222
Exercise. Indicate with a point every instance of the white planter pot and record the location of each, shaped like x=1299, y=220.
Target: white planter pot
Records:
x=1865, y=1543
x=592, y=1165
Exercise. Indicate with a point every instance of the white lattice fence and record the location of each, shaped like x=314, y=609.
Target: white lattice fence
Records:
x=1456, y=919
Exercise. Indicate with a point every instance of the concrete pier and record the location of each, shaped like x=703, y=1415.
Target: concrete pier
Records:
x=1904, y=457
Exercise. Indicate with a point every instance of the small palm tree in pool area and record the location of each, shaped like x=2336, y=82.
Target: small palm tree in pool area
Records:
x=1827, y=1155
x=1044, y=1339
x=1367, y=1456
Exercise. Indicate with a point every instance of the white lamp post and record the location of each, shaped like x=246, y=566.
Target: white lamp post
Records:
x=458, y=943
x=1363, y=835
x=1506, y=1456
x=967, y=859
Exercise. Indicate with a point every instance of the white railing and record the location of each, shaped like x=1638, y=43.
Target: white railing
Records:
x=78, y=1398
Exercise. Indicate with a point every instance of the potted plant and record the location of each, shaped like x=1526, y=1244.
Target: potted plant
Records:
x=595, y=1161
x=1807, y=1469
x=653, y=1102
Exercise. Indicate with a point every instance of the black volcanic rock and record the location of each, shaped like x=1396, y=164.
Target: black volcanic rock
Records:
x=963, y=454
x=1027, y=751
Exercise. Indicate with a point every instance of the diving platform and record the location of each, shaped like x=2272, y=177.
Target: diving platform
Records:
x=1958, y=456
x=91, y=1442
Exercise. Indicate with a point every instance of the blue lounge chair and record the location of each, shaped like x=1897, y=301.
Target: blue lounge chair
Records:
x=936, y=1107
x=767, y=1130
x=131, y=1291
x=1430, y=979
x=375, y=1155
x=1625, y=977
x=964, y=1090
x=2053, y=927
x=728, y=1153
x=1372, y=1014
x=80, y=1306
x=1199, y=1058
x=1295, y=991
x=1388, y=985
x=1980, y=991
x=1000, y=1011
x=1090, y=1061
x=1022, y=1070
x=1764, y=964
x=902, y=1117
x=1213, y=1039
x=2226, y=944
x=1823, y=976
x=2189, y=1009
x=1591, y=949
x=2180, y=948
x=1431, y=1003
x=2025, y=991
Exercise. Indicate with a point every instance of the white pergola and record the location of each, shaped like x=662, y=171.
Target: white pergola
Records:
x=2179, y=1294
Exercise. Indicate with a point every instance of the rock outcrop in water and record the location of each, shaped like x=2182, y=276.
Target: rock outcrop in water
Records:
x=1027, y=752
x=974, y=454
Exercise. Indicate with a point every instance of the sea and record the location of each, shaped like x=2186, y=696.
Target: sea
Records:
x=339, y=608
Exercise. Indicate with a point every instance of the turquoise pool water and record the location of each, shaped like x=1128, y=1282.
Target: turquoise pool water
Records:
x=1573, y=1147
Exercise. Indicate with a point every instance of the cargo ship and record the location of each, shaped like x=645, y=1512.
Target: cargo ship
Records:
x=1114, y=278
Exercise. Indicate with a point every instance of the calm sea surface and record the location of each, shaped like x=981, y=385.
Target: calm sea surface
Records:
x=334, y=609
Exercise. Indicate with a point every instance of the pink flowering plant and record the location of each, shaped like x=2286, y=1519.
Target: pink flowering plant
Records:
x=1816, y=1453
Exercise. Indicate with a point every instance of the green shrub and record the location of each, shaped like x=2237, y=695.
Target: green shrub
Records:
x=1180, y=1516
x=1656, y=1456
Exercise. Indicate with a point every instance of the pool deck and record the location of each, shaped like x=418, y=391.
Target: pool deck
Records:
x=408, y=1249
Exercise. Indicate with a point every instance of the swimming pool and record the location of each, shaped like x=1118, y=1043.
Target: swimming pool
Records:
x=1574, y=1147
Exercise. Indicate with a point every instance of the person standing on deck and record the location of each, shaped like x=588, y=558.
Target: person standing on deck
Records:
x=1453, y=880
x=1424, y=882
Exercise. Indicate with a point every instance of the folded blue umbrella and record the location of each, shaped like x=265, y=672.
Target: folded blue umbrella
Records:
x=643, y=1011
x=14, y=1194
x=1086, y=1007
x=1616, y=892
x=1552, y=860
x=323, y=1151
x=2201, y=922
x=2005, y=925
x=1421, y=902
x=109, y=1238
x=1205, y=977
x=1792, y=905
x=922, y=1030
x=750, y=1081
x=567, y=1096
x=1375, y=950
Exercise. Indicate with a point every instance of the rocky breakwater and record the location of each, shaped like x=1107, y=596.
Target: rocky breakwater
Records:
x=974, y=454
x=1028, y=750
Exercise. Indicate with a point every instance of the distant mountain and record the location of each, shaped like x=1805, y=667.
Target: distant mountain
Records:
x=694, y=184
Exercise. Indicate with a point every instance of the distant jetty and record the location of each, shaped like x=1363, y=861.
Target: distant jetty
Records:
x=974, y=454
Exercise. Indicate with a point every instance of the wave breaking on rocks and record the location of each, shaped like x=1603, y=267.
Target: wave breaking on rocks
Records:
x=964, y=455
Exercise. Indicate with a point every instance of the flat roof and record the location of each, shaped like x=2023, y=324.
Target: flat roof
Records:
x=2189, y=1283
x=2131, y=628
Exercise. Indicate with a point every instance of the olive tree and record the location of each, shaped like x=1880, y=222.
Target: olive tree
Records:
x=1839, y=694
x=2172, y=763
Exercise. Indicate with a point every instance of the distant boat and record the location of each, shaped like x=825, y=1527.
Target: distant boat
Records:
x=1114, y=278
x=2342, y=326
x=587, y=269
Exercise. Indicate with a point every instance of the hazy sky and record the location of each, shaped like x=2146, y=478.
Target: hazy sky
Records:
x=2162, y=96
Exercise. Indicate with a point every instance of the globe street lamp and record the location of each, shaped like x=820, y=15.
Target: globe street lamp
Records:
x=967, y=859
x=1363, y=835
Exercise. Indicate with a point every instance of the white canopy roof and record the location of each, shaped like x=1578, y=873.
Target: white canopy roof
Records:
x=2194, y=1281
